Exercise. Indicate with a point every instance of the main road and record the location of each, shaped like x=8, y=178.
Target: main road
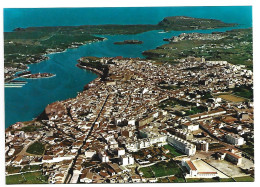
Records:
x=68, y=178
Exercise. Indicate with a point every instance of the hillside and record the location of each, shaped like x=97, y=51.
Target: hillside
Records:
x=189, y=23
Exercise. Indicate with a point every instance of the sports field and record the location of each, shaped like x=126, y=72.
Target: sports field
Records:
x=231, y=98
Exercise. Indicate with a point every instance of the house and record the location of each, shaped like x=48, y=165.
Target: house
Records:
x=86, y=176
x=90, y=153
x=190, y=126
x=136, y=178
x=192, y=170
x=236, y=159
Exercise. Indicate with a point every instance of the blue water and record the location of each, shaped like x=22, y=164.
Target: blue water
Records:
x=22, y=104
x=28, y=17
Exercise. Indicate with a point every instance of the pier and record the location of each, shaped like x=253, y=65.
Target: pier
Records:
x=14, y=84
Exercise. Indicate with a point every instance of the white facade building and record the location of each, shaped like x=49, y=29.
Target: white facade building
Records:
x=120, y=151
x=235, y=139
x=193, y=172
x=182, y=145
x=90, y=153
x=103, y=156
x=126, y=160
x=191, y=127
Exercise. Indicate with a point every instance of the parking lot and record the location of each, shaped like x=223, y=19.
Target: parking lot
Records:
x=227, y=167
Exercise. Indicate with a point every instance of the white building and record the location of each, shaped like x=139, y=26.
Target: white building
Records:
x=131, y=146
x=11, y=152
x=236, y=159
x=120, y=151
x=182, y=145
x=193, y=171
x=126, y=160
x=103, y=156
x=216, y=63
x=190, y=167
x=112, y=144
x=191, y=127
x=90, y=153
x=235, y=139
x=131, y=122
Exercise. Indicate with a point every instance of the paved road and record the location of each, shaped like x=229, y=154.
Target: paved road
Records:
x=84, y=142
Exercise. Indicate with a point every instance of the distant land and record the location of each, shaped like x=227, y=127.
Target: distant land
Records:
x=180, y=23
x=30, y=45
x=234, y=46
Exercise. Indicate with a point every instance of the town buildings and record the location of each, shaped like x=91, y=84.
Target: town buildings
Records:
x=114, y=125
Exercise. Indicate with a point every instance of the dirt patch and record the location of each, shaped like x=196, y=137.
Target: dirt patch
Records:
x=231, y=98
x=227, y=168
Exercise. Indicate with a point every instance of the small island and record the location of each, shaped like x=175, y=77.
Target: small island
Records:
x=128, y=42
x=38, y=75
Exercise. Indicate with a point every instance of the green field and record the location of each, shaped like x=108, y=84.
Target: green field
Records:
x=162, y=169
x=190, y=110
x=30, y=128
x=166, y=168
x=244, y=91
x=244, y=179
x=172, y=150
x=210, y=180
x=30, y=168
x=36, y=148
x=248, y=148
x=235, y=48
x=29, y=178
x=226, y=180
x=202, y=180
x=238, y=179
x=147, y=172
x=172, y=102
x=195, y=110
x=12, y=169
